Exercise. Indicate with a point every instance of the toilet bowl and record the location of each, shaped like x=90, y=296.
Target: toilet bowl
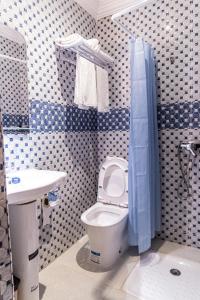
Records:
x=106, y=221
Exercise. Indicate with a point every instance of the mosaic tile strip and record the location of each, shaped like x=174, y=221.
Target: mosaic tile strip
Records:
x=114, y=120
x=47, y=117
x=179, y=115
x=11, y=120
x=51, y=117
x=79, y=120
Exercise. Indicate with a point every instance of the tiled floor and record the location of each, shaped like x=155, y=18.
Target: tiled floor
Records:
x=73, y=277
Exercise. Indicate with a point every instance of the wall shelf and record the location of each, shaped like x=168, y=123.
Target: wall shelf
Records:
x=16, y=129
x=22, y=61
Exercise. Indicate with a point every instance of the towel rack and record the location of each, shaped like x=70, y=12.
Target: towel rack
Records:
x=99, y=58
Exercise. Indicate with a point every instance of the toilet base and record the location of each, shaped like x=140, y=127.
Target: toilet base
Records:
x=101, y=260
x=106, y=250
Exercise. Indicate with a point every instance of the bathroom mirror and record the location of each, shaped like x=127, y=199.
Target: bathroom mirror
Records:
x=13, y=80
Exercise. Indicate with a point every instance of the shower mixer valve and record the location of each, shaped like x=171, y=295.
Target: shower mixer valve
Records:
x=184, y=189
x=191, y=146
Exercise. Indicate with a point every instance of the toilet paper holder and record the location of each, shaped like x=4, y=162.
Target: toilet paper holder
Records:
x=50, y=201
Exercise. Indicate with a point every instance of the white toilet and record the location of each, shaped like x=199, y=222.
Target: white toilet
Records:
x=106, y=221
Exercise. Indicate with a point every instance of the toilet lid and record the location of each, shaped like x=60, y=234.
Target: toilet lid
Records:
x=113, y=182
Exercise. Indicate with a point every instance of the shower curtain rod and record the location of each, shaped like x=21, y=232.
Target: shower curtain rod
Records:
x=115, y=17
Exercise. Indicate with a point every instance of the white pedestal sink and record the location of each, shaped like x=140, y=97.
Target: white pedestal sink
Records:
x=24, y=226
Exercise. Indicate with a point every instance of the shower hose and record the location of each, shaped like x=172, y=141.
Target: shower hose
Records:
x=184, y=189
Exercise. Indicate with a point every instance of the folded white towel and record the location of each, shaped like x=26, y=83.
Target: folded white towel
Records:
x=85, y=85
x=102, y=89
x=75, y=39
x=70, y=40
x=93, y=44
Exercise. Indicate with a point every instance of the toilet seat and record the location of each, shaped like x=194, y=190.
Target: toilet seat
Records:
x=113, y=182
x=103, y=215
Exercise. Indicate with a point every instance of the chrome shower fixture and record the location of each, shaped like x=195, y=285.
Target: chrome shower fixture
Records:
x=191, y=146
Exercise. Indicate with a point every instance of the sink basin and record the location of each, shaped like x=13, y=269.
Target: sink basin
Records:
x=33, y=184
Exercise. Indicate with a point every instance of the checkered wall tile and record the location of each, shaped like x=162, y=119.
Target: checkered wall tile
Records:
x=180, y=217
x=10, y=48
x=114, y=143
x=14, y=85
x=172, y=28
x=14, y=92
x=18, y=151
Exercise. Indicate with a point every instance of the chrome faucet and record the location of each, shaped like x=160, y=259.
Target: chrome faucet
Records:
x=191, y=146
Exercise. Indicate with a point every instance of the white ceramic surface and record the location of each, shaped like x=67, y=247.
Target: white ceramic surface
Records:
x=113, y=181
x=33, y=184
x=106, y=221
x=151, y=278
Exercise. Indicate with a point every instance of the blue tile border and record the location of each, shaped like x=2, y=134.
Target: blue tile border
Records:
x=182, y=115
x=170, y=116
x=114, y=120
x=46, y=116
x=11, y=120
x=79, y=120
x=179, y=115
x=54, y=117
x=51, y=117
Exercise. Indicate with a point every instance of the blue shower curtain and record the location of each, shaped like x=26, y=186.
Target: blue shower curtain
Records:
x=143, y=176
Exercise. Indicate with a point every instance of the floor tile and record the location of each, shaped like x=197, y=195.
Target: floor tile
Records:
x=77, y=258
x=62, y=283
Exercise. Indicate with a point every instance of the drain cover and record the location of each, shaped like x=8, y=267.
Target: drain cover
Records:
x=175, y=272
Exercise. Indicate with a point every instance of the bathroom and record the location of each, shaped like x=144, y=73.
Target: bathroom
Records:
x=51, y=133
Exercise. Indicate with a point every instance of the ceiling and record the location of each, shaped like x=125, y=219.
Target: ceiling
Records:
x=102, y=8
